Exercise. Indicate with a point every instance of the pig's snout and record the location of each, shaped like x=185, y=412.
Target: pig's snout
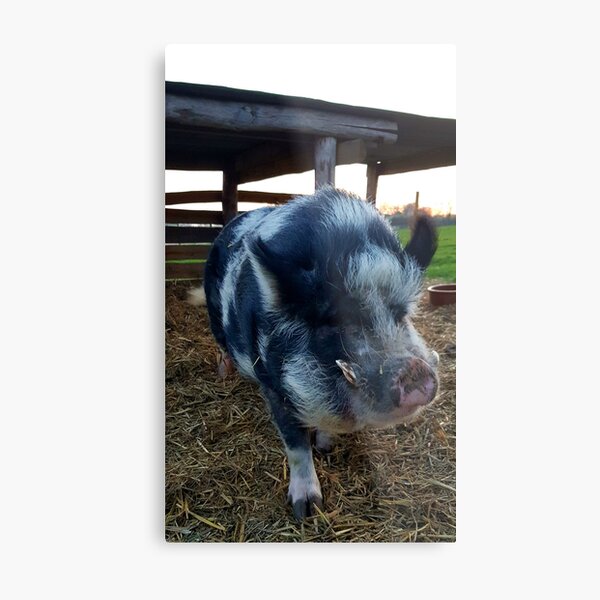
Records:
x=416, y=384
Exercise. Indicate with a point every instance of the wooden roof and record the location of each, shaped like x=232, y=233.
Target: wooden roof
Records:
x=260, y=135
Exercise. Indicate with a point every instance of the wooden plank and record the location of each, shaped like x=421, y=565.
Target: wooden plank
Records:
x=325, y=161
x=217, y=195
x=230, y=195
x=238, y=116
x=203, y=217
x=430, y=159
x=188, y=197
x=184, y=270
x=187, y=251
x=271, y=160
x=190, y=235
x=264, y=197
x=351, y=152
x=372, y=178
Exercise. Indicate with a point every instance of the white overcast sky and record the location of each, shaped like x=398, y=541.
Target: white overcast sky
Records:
x=418, y=79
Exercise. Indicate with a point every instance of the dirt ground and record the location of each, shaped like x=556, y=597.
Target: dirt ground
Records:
x=226, y=471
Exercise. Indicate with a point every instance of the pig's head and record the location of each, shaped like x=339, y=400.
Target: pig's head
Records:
x=389, y=371
x=348, y=290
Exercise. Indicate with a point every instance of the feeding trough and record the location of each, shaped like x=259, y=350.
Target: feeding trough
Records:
x=442, y=294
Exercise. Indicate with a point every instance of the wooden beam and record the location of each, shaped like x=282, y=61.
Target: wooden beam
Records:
x=238, y=116
x=190, y=235
x=324, y=162
x=217, y=196
x=184, y=270
x=351, y=152
x=264, y=197
x=181, y=160
x=187, y=251
x=198, y=217
x=270, y=160
x=430, y=159
x=267, y=160
x=230, y=195
x=372, y=179
x=185, y=197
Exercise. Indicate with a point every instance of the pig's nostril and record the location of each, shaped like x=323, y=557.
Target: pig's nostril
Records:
x=419, y=395
x=416, y=384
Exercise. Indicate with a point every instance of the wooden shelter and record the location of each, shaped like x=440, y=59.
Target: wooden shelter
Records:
x=251, y=136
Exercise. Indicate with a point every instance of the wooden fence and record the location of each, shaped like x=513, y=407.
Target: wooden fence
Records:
x=189, y=234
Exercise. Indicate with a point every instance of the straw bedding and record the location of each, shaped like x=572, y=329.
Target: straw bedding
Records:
x=226, y=472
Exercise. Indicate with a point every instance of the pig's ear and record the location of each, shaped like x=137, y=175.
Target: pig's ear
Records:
x=294, y=276
x=423, y=242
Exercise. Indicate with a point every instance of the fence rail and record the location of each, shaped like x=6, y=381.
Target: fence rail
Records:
x=189, y=233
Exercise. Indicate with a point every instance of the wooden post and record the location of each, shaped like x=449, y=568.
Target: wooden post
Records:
x=416, y=211
x=229, y=199
x=372, y=178
x=325, y=161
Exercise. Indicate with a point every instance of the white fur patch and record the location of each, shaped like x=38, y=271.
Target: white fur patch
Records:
x=232, y=273
x=304, y=482
x=303, y=376
x=244, y=364
x=266, y=283
x=197, y=297
x=274, y=221
x=230, y=282
x=249, y=223
x=347, y=211
x=376, y=271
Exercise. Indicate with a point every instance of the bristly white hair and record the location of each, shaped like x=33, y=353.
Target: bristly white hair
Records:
x=267, y=284
x=249, y=223
x=376, y=270
x=244, y=364
x=230, y=280
x=347, y=211
x=341, y=209
x=304, y=378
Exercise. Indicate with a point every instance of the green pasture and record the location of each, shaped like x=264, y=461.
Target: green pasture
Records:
x=443, y=265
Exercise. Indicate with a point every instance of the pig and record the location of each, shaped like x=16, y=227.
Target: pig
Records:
x=312, y=300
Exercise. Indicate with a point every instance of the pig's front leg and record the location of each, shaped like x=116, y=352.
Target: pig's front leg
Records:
x=304, y=489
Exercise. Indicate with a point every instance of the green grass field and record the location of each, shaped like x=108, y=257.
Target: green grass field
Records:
x=443, y=265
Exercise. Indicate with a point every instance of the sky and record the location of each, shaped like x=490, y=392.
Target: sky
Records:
x=413, y=78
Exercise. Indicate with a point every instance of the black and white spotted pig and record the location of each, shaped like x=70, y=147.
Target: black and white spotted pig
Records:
x=312, y=300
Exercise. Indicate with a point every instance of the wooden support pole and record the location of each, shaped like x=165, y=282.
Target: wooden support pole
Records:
x=325, y=155
x=230, y=196
x=416, y=211
x=372, y=178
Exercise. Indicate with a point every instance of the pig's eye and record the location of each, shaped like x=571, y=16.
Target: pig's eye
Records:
x=399, y=311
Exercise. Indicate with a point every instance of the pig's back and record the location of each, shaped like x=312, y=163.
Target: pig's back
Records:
x=222, y=271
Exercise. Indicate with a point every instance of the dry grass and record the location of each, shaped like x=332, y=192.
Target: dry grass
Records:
x=226, y=472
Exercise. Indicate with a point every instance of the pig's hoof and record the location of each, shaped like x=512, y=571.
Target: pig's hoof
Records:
x=303, y=494
x=304, y=507
x=225, y=366
x=323, y=442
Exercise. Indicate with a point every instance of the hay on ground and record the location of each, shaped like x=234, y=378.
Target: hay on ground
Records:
x=226, y=471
